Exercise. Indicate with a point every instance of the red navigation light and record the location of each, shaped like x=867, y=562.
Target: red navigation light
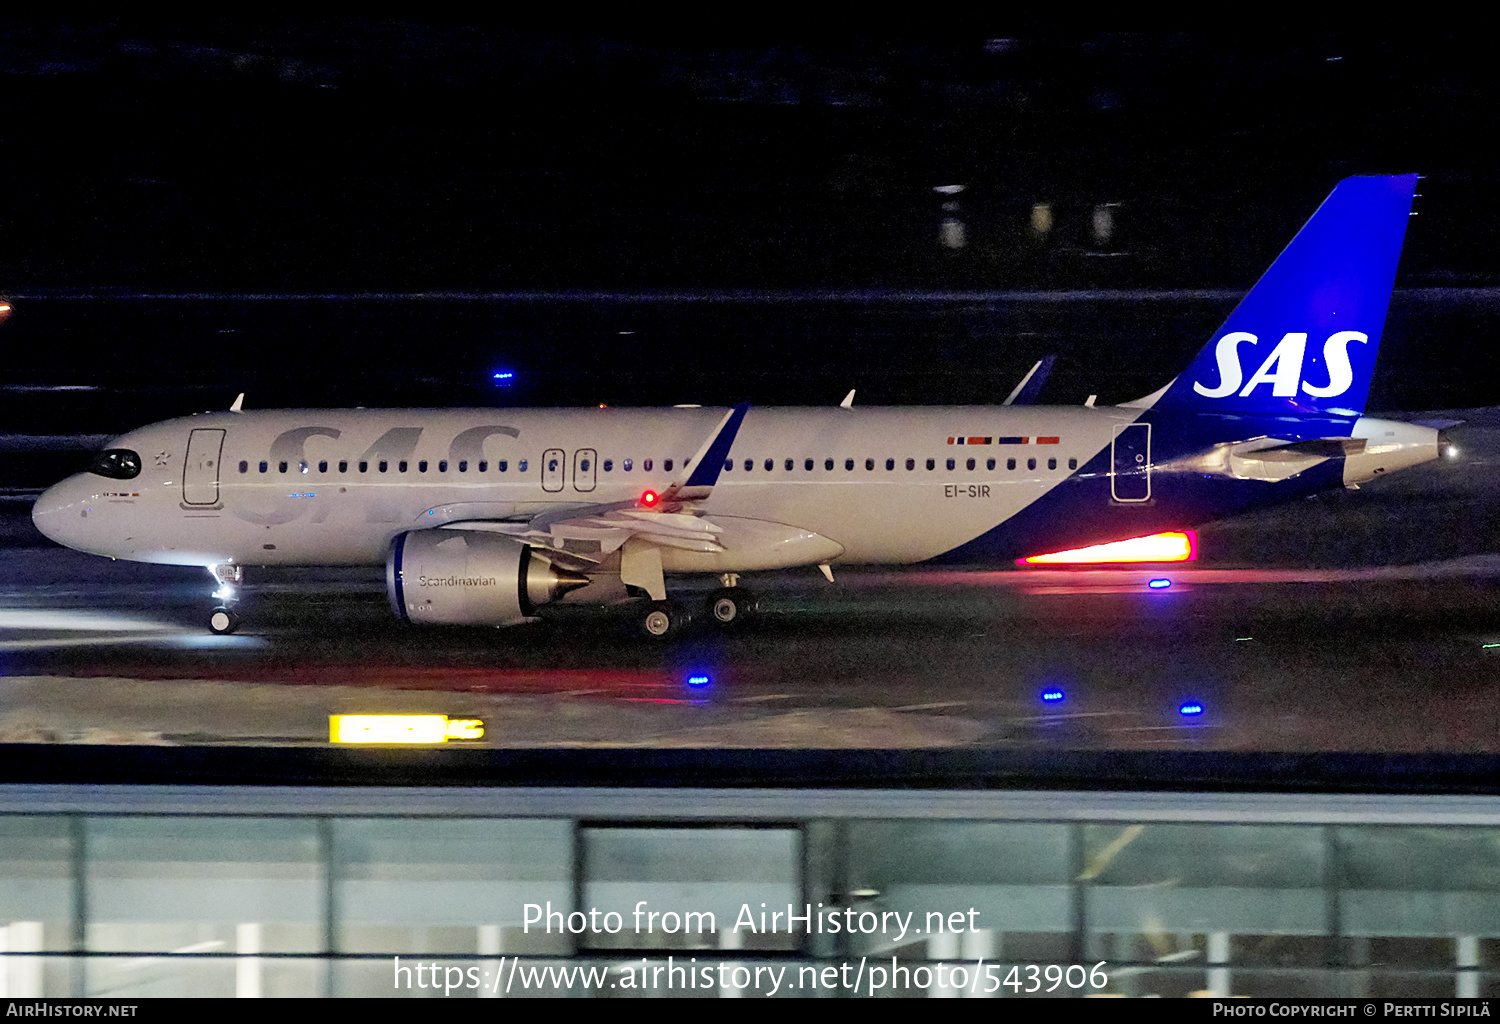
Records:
x=1179, y=546
x=650, y=498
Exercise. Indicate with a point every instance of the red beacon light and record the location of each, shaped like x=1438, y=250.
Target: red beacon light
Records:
x=649, y=499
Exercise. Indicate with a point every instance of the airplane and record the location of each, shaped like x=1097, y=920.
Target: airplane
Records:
x=483, y=516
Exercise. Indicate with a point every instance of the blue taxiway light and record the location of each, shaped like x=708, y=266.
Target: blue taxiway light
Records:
x=507, y=375
x=698, y=680
x=1159, y=584
x=1191, y=708
x=1052, y=696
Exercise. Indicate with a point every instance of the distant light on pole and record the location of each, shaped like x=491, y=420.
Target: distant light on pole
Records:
x=1041, y=219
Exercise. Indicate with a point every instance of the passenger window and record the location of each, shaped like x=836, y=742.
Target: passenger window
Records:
x=848, y=465
x=463, y=466
x=401, y=466
x=807, y=465
x=950, y=464
x=749, y=465
x=483, y=465
x=422, y=466
x=384, y=465
x=828, y=464
x=323, y=466
x=970, y=464
x=343, y=466
x=770, y=465
x=911, y=464
x=1010, y=463
x=728, y=465
x=931, y=463
x=521, y=466
x=364, y=467
x=302, y=467
x=1051, y=463
x=609, y=466
x=442, y=465
x=504, y=466
x=627, y=465
x=551, y=466
x=281, y=467
x=244, y=466
x=1031, y=463
x=585, y=465
x=263, y=467
x=1072, y=463
x=989, y=464
x=665, y=465
x=890, y=464
x=869, y=465
x=646, y=465
x=788, y=465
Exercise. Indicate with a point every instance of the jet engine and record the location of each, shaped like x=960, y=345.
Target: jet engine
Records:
x=471, y=578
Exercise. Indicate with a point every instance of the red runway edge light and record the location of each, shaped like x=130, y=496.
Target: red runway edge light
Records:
x=1176, y=546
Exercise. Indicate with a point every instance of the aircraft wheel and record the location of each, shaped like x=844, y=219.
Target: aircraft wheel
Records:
x=663, y=619
x=731, y=605
x=223, y=621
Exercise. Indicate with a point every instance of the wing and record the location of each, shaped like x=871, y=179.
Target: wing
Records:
x=583, y=536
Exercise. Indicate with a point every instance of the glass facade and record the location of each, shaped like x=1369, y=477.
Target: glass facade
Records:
x=300, y=901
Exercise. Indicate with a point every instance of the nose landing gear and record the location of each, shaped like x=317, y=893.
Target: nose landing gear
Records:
x=222, y=620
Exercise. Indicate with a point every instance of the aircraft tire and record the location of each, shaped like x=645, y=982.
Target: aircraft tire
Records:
x=223, y=621
x=662, y=620
x=731, y=606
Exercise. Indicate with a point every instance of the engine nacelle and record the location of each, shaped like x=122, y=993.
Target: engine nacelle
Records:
x=471, y=578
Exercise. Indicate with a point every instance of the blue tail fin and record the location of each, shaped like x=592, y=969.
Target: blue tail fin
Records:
x=1303, y=342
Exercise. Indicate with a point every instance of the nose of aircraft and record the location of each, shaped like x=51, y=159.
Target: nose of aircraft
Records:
x=62, y=511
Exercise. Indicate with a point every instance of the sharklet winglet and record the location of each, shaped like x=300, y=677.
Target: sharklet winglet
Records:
x=703, y=471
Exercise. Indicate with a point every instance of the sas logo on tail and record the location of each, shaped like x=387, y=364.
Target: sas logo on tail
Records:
x=1282, y=369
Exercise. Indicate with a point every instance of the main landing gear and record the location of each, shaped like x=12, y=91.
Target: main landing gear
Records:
x=729, y=606
x=663, y=619
x=222, y=620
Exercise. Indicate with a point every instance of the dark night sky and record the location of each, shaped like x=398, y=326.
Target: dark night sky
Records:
x=403, y=156
x=357, y=157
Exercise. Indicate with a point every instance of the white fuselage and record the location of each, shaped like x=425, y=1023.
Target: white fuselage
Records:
x=333, y=487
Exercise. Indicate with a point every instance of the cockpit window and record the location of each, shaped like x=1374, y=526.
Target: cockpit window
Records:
x=117, y=464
